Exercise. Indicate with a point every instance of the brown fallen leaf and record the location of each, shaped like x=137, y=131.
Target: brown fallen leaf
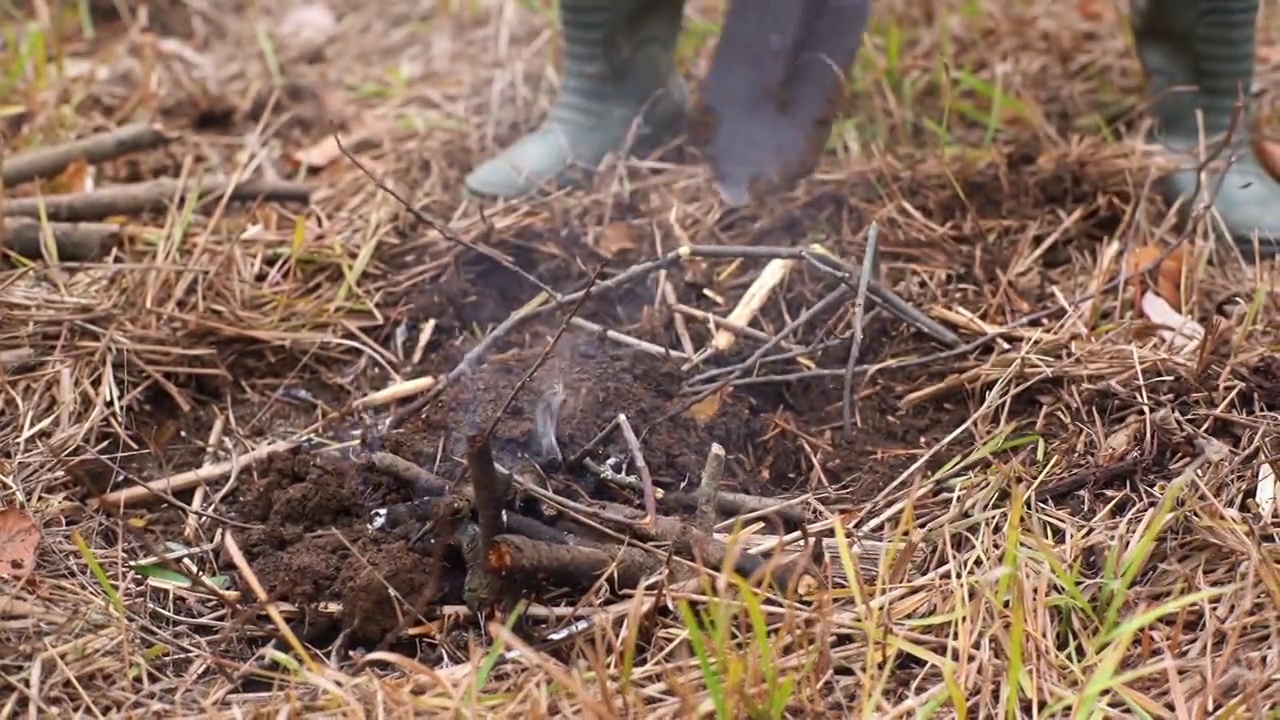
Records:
x=326, y=151
x=19, y=536
x=1168, y=275
x=1098, y=11
x=1268, y=152
x=615, y=239
x=705, y=409
x=78, y=177
x=318, y=155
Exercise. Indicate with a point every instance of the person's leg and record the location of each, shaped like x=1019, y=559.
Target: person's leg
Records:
x=619, y=66
x=1199, y=55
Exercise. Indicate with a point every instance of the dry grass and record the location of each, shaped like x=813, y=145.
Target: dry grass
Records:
x=1041, y=586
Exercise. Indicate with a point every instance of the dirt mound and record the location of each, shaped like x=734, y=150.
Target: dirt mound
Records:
x=312, y=508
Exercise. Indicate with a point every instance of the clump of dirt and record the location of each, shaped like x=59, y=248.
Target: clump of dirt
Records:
x=310, y=544
x=311, y=509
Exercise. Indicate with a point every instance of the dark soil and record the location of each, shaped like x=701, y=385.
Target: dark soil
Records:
x=312, y=543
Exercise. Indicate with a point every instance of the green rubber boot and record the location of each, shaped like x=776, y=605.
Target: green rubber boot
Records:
x=1199, y=54
x=619, y=67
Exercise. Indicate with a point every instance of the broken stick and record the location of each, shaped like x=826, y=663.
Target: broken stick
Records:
x=571, y=565
x=490, y=490
x=154, y=195
x=752, y=300
x=423, y=481
x=709, y=488
x=121, y=499
x=73, y=242
x=47, y=162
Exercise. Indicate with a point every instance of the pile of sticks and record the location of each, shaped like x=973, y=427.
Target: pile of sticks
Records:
x=71, y=227
x=517, y=532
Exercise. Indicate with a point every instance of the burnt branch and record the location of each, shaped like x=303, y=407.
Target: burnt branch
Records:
x=491, y=491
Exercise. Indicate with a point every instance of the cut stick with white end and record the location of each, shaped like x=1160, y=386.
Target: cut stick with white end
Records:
x=1265, y=492
x=1184, y=333
x=130, y=496
x=399, y=391
x=965, y=319
x=765, y=283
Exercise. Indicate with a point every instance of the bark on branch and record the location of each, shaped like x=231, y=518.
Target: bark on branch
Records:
x=48, y=161
x=154, y=195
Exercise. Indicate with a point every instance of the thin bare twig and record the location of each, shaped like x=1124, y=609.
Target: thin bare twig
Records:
x=628, y=341
x=120, y=499
x=596, y=441
x=859, y=307
x=831, y=298
x=444, y=230
x=823, y=260
x=642, y=469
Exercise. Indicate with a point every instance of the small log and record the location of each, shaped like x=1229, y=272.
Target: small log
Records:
x=73, y=242
x=46, y=162
x=154, y=195
x=423, y=481
x=569, y=565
